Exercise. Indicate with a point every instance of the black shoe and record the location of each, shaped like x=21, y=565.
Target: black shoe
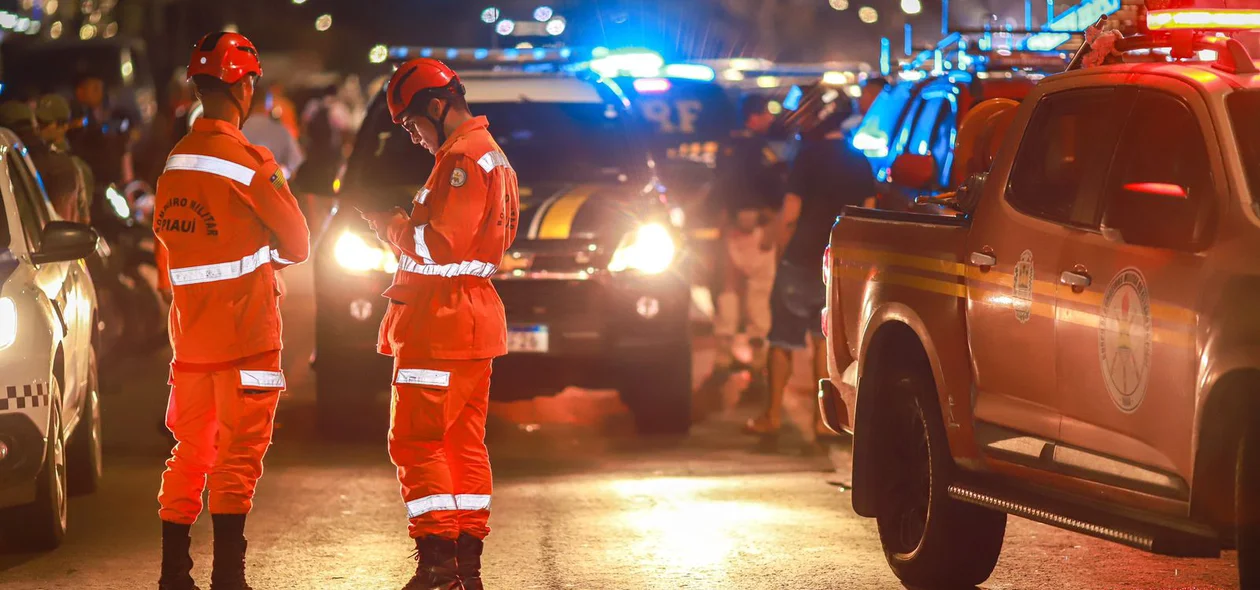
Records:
x=470, y=561
x=176, y=563
x=436, y=565
x=229, y=553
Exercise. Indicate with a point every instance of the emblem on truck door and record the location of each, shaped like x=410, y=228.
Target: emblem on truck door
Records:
x=1124, y=339
x=1023, y=287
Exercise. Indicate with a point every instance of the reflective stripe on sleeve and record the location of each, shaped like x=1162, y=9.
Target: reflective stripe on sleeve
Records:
x=427, y=504
x=423, y=377
x=422, y=195
x=223, y=271
x=262, y=379
x=212, y=165
x=275, y=257
x=422, y=248
x=474, y=268
x=493, y=160
x=472, y=501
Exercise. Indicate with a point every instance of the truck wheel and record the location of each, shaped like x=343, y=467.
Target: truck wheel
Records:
x=41, y=525
x=85, y=462
x=928, y=537
x=343, y=405
x=1247, y=509
x=658, y=393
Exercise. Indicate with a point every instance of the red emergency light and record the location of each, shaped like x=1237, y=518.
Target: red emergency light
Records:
x=651, y=85
x=1211, y=15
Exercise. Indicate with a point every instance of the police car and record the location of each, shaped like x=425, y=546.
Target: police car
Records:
x=50, y=416
x=595, y=287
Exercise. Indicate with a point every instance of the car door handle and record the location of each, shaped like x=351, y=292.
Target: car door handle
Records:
x=982, y=259
x=1075, y=280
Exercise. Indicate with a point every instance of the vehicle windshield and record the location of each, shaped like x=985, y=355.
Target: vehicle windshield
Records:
x=545, y=142
x=1244, y=110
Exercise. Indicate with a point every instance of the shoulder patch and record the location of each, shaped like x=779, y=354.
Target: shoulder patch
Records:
x=458, y=177
x=277, y=180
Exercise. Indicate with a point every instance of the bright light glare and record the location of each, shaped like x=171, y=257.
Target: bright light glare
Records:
x=8, y=322
x=774, y=107
x=649, y=250
x=543, y=14
x=651, y=85
x=117, y=202
x=379, y=54
x=299, y=1
x=840, y=4
x=323, y=23
x=732, y=75
x=505, y=27
x=873, y=146
x=834, y=78
x=639, y=64
x=355, y=254
x=1220, y=19
x=868, y=15
x=699, y=72
x=490, y=15
x=556, y=26
x=911, y=6
x=767, y=81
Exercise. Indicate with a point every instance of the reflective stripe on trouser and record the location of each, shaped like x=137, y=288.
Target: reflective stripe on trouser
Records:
x=223, y=423
x=437, y=440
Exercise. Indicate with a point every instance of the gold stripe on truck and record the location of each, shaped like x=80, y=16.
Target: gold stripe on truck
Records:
x=558, y=222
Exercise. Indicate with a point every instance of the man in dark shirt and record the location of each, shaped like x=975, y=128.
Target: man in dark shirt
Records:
x=750, y=189
x=827, y=175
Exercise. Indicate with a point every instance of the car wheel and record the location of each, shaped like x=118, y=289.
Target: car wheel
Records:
x=85, y=460
x=343, y=404
x=41, y=525
x=928, y=537
x=1247, y=509
x=658, y=393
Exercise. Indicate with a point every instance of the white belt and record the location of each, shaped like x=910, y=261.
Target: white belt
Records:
x=223, y=271
x=474, y=268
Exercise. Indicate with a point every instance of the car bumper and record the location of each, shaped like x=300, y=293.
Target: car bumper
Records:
x=593, y=325
x=21, y=459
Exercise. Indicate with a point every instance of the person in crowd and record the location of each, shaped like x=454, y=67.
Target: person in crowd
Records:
x=263, y=129
x=101, y=139
x=326, y=130
x=52, y=111
x=827, y=175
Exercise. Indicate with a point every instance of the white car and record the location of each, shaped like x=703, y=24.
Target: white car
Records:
x=50, y=425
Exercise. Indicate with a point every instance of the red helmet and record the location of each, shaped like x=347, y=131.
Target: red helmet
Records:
x=226, y=56
x=429, y=77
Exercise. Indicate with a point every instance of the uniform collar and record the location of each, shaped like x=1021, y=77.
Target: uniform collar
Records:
x=205, y=125
x=467, y=127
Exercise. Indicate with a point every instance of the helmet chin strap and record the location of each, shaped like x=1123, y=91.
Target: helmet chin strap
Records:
x=440, y=123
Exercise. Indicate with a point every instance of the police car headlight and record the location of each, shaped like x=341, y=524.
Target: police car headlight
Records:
x=8, y=322
x=649, y=250
x=356, y=254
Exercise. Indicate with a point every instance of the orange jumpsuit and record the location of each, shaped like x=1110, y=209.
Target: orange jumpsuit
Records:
x=443, y=326
x=225, y=221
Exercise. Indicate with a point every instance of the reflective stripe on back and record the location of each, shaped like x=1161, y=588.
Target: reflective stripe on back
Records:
x=223, y=271
x=212, y=165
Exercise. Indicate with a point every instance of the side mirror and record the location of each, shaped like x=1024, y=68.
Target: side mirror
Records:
x=64, y=241
x=1154, y=214
x=913, y=171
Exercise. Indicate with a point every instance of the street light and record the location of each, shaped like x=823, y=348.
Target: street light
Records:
x=323, y=23
x=840, y=4
x=490, y=15
x=505, y=27
x=379, y=54
x=299, y=1
x=543, y=14
x=556, y=26
x=868, y=15
x=911, y=6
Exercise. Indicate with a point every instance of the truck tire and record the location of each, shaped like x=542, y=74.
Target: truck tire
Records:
x=343, y=403
x=84, y=451
x=41, y=525
x=1247, y=508
x=658, y=392
x=929, y=539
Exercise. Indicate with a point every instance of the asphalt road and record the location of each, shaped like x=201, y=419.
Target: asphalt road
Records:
x=579, y=503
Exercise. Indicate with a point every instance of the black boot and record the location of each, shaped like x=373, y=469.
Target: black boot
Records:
x=229, y=553
x=470, y=561
x=435, y=567
x=176, y=563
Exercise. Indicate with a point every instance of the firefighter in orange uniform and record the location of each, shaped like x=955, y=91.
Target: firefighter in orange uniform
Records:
x=227, y=222
x=445, y=322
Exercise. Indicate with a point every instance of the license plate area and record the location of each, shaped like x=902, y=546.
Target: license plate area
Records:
x=531, y=338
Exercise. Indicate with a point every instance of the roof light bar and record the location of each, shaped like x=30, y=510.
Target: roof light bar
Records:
x=1219, y=19
x=651, y=85
x=699, y=72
